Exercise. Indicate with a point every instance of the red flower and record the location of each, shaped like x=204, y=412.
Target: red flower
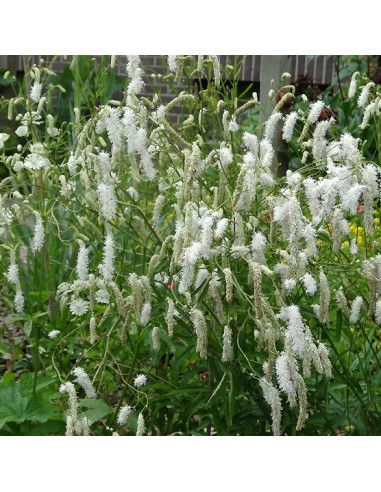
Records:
x=359, y=208
x=170, y=285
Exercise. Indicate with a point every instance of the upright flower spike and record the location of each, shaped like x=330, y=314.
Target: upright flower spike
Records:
x=13, y=269
x=170, y=316
x=172, y=63
x=82, y=262
x=353, y=85
x=123, y=414
x=35, y=92
x=355, y=311
x=217, y=70
x=39, y=234
x=289, y=126
x=227, y=347
x=108, y=258
x=107, y=200
x=141, y=428
x=363, y=97
x=73, y=402
x=324, y=298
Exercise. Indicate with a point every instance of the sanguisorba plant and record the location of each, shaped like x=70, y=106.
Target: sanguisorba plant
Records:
x=166, y=269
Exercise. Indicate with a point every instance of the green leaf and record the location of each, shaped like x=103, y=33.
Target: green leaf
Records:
x=8, y=378
x=13, y=405
x=95, y=409
x=27, y=327
x=38, y=410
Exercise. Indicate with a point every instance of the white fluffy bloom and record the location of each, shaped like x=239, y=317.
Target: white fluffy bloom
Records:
x=350, y=200
x=353, y=248
x=3, y=138
x=353, y=85
x=102, y=296
x=36, y=161
x=145, y=314
x=108, y=259
x=35, y=92
x=362, y=100
x=192, y=254
x=78, y=307
x=355, y=311
x=217, y=71
x=233, y=126
x=39, y=234
x=141, y=428
x=251, y=142
x=272, y=398
x=271, y=126
x=378, y=313
x=19, y=301
x=227, y=349
x=295, y=332
x=82, y=262
x=83, y=380
x=226, y=156
x=285, y=367
x=13, y=273
x=135, y=74
x=316, y=109
x=123, y=414
x=21, y=131
x=53, y=333
x=370, y=182
x=309, y=283
x=134, y=194
x=319, y=144
x=172, y=63
x=289, y=284
x=206, y=236
x=258, y=246
x=221, y=228
x=266, y=154
x=289, y=125
x=73, y=402
x=107, y=200
x=140, y=380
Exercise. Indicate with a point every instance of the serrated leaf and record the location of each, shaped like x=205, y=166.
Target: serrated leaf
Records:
x=94, y=410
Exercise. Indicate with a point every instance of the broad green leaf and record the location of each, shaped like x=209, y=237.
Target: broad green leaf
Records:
x=94, y=409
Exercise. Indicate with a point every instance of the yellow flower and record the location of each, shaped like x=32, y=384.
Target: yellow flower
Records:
x=344, y=244
x=353, y=229
x=376, y=221
x=360, y=240
x=207, y=198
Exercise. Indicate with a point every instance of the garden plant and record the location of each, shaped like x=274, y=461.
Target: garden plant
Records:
x=203, y=266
